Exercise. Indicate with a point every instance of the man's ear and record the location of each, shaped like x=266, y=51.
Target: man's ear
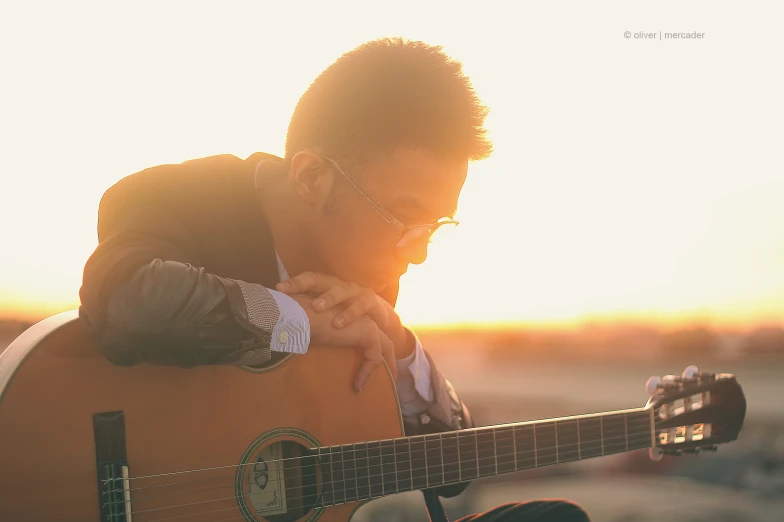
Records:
x=310, y=177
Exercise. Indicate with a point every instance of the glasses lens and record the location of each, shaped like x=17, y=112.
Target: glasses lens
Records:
x=430, y=233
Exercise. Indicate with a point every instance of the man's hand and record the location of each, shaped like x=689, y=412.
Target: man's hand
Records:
x=362, y=333
x=357, y=302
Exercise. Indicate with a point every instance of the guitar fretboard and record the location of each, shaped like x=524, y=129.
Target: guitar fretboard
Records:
x=368, y=470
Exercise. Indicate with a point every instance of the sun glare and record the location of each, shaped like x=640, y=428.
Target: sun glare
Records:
x=583, y=211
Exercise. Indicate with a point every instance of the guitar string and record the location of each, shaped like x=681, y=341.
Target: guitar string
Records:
x=464, y=433
x=321, y=502
x=326, y=459
x=327, y=455
x=498, y=450
x=337, y=492
x=543, y=453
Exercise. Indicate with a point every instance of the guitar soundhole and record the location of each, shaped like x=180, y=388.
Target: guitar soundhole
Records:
x=281, y=482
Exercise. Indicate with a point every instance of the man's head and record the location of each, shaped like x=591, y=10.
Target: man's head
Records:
x=379, y=143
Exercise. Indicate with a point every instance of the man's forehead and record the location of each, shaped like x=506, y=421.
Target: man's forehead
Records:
x=417, y=178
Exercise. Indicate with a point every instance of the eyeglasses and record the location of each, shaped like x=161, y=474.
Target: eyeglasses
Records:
x=408, y=235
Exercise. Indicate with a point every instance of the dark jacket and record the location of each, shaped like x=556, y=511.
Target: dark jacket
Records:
x=180, y=272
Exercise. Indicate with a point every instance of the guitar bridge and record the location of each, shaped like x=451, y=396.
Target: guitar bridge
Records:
x=114, y=486
x=115, y=492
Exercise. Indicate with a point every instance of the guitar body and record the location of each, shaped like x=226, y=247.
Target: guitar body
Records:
x=193, y=439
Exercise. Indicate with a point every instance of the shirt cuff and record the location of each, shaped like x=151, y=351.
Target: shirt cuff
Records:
x=414, y=387
x=291, y=333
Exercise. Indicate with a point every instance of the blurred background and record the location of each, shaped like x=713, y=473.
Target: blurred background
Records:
x=629, y=222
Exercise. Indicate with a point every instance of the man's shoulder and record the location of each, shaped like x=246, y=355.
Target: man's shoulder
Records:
x=216, y=167
x=201, y=174
x=196, y=183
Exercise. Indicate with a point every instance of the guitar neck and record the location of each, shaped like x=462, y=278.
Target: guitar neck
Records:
x=374, y=469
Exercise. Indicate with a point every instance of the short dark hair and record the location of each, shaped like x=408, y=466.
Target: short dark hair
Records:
x=386, y=94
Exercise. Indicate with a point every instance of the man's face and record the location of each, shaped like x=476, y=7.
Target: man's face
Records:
x=354, y=240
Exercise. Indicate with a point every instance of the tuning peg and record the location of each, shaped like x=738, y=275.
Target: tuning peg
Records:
x=690, y=372
x=669, y=382
x=652, y=384
x=655, y=454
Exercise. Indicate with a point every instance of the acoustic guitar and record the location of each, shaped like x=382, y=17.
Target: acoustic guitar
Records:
x=84, y=440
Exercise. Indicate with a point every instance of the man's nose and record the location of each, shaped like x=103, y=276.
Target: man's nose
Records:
x=415, y=253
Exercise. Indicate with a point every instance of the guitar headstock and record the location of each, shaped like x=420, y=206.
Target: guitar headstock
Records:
x=695, y=411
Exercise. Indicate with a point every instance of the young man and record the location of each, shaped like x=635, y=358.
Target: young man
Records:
x=228, y=261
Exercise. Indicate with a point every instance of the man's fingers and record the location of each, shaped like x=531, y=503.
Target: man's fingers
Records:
x=307, y=282
x=336, y=295
x=388, y=351
x=365, y=304
x=373, y=358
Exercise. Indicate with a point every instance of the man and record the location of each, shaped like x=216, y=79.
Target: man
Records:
x=225, y=261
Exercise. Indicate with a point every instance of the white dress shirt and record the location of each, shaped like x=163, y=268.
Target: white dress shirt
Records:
x=292, y=335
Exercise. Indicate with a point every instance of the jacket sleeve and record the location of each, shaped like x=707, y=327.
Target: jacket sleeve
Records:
x=144, y=297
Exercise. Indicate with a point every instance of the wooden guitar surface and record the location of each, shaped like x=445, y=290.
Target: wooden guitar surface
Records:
x=204, y=418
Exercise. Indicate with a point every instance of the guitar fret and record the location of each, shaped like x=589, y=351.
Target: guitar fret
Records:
x=640, y=436
x=418, y=462
x=459, y=461
x=476, y=447
x=614, y=433
x=441, y=447
x=394, y=460
x=466, y=441
x=325, y=458
x=349, y=474
x=590, y=433
x=536, y=450
x=403, y=464
x=486, y=457
x=411, y=465
x=376, y=482
x=546, y=443
x=495, y=452
x=451, y=458
x=601, y=432
x=388, y=467
x=362, y=467
x=434, y=460
x=525, y=439
x=568, y=441
x=626, y=430
x=506, y=448
x=338, y=477
x=354, y=468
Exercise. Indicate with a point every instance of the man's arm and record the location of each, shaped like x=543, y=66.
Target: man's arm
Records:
x=144, y=298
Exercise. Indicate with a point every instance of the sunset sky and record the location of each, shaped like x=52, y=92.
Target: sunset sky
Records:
x=631, y=178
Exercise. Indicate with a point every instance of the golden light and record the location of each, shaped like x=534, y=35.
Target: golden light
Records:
x=627, y=182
